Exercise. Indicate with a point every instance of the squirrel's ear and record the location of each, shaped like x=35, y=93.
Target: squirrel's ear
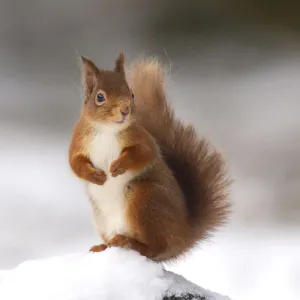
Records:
x=89, y=74
x=120, y=64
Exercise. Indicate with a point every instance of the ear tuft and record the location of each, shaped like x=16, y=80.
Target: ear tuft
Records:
x=89, y=74
x=119, y=67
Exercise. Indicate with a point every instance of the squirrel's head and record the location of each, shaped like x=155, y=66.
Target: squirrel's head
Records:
x=108, y=98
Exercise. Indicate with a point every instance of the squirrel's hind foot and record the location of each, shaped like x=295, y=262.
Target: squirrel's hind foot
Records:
x=130, y=243
x=98, y=248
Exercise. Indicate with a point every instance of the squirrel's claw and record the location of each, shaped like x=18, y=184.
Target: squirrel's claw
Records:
x=98, y=177
x=116, y=168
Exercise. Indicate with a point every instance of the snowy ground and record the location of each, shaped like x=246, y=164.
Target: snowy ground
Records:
x=262, y=264
x=113, y=274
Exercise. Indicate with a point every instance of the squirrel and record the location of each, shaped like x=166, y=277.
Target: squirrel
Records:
x=154, y=186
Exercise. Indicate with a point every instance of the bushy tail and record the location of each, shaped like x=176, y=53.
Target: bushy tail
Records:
x=197, y=166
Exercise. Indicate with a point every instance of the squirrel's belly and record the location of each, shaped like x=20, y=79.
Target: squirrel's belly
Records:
x=109, y=205
x=108, y=200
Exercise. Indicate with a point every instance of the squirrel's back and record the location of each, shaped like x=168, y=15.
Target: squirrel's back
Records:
x=198, y=168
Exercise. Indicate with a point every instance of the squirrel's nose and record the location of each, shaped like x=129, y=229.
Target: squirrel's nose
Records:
x=125, y=109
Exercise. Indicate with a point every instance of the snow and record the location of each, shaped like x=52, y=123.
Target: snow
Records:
x=113, y=274
x=179, y=285
x=248, y=264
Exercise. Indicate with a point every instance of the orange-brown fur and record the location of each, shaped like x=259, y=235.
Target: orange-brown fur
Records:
x=179, y=193
x=78, y=158
x=139, y=150
x=197, y=166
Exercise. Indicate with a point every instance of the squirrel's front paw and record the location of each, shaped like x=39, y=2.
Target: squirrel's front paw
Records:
x=117, y=168
x=98, y=177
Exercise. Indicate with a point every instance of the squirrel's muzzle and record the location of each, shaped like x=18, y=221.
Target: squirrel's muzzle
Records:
x=125, y=108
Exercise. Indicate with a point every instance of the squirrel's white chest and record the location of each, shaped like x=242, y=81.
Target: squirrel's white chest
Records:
x=104, y=148
x=108, y=200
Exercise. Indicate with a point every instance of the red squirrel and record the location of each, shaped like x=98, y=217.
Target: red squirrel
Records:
x=155, y=187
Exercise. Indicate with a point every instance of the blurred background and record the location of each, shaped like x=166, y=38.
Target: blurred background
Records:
x=235, y=74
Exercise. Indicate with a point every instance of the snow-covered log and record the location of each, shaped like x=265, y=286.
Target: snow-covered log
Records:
x=113, y=274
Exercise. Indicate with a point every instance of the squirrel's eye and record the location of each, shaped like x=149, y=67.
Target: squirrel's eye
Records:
x=132, y=97
x=100, y=98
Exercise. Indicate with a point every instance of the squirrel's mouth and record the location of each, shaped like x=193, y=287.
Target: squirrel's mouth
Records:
x=124, y=118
